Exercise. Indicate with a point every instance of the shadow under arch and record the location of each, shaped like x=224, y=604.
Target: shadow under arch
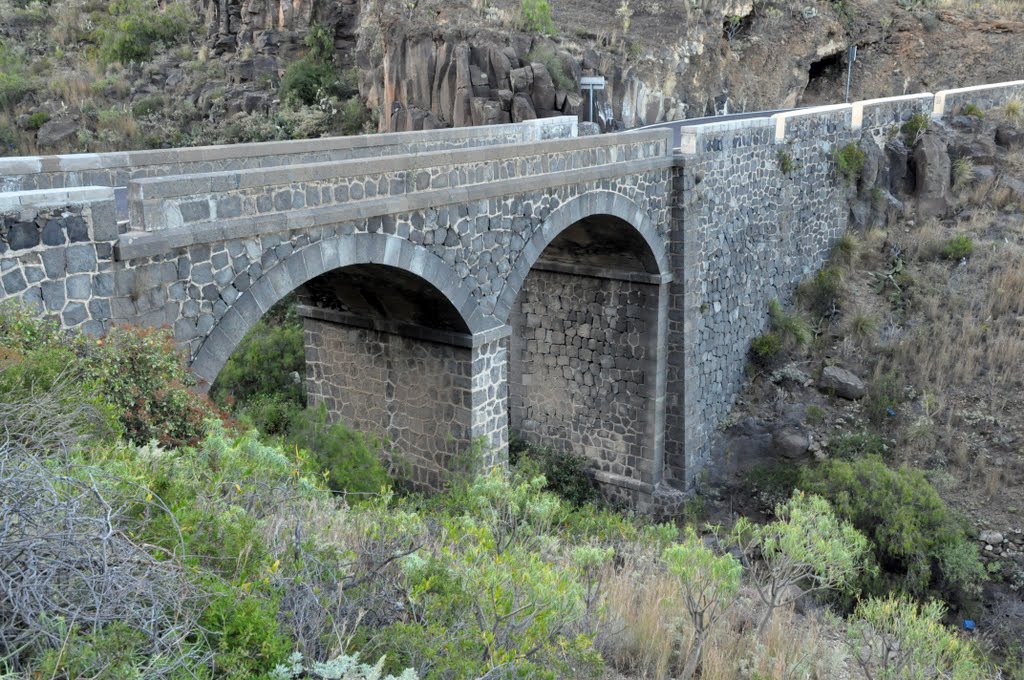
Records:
x=323, y=257
x=594, y=204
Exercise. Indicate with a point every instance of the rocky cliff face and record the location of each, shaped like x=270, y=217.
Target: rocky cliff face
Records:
x=453, y=63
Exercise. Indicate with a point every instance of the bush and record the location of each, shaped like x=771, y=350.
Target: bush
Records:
x=806, y=546
x=1014, y=110
x=14, y=82
x=898, y=638
x=555, y=68
x=914, y=128
x=957, y=248
x=790, y=327
x=856, y=445
x=850, y=161
x=305, y=81
x=917, y=541
x=38, y=119
x=270, y=361
x=350, y=460
x=535, y=17
x=973, y=109
x=567, y=473
x=136, y=372
x=133, y=28
x=823, y=291
x=766, y=350
x=786, y=163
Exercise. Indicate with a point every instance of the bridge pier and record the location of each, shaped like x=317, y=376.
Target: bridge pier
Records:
x=437, y=398
x=586, y=372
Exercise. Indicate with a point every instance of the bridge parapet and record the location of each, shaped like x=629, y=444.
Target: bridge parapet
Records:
x=180, y=211
x=116, y=169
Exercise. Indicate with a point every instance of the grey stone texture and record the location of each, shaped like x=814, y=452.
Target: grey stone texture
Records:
x=581, y=374
x=634, y=370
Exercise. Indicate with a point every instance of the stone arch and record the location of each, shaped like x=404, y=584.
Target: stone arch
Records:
x=322, y=257
x=590, y=204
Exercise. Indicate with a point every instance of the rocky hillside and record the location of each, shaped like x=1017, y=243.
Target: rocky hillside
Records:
x=84, y=75
x=909, y=347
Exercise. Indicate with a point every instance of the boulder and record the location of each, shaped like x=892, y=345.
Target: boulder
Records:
x=1014, y=185
x=932, y=166
x=984, y=173
x=991, y=537
x=522, y=108
x=53, y=132
x=842, y=383
x=488, y=112
x=1010, y=136
x=504, y=98
x=790, y=442
x=521, y=79
x=542, y=93
x=980, y=149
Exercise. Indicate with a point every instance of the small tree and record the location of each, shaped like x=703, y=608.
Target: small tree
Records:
x=709, y=584
x=896, y=637
x=806, y=546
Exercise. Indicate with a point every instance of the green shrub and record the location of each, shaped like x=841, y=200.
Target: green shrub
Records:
x=1014, y=110
x=265, y=364
x=766, y=350
x=14, y=81
x=554, y=66
x=354, y=116
x=786, y=163
x=305, y=81
x=147, y=106
x=131, y=29
x=789, y=327
x=884, y=395
x=918, y=542
x=136, y=372
x=243, y=633
x=567, y=473
x=351, y=460
x=850, y=161
x=896, y=637
x=914, y=128
x=38, y=119
x=973, y=109
x=856, y=445
x=822, y=292
x=959, y=247
x=535, y=17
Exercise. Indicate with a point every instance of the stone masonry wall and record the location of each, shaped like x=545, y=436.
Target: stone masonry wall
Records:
x=580, y=372
x=59, y=259
x=159, y=204
x=745, y=233
x=416, y=395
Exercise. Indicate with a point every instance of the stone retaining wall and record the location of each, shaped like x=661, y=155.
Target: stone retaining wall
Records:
x=745, y=232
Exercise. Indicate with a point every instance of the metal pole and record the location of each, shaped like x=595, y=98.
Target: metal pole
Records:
x=590, y=97
x=851, y=57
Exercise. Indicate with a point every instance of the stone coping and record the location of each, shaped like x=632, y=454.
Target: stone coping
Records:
x=208, y=183
x=134, y=244
x=48, y=198
x=405, y=329
x=27, y=165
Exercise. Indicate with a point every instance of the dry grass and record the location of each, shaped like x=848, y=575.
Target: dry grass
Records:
x=644, y=633
x=1010, y=9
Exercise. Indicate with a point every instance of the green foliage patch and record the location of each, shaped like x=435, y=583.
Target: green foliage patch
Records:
x=850, y=160
x=535, y=17
x=130, y=30
x=920, y=545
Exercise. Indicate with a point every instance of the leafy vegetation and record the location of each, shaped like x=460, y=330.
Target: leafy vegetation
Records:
x=920, y=545
x=958, y=247
x=535, y=17
x=850, y=160
x=914, y=128
x=554, y=66
x=131, y=30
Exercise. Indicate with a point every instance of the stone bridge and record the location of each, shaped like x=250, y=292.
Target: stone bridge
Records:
x=593, y=293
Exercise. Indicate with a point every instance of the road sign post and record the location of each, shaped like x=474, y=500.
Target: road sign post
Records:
x=592, y=83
